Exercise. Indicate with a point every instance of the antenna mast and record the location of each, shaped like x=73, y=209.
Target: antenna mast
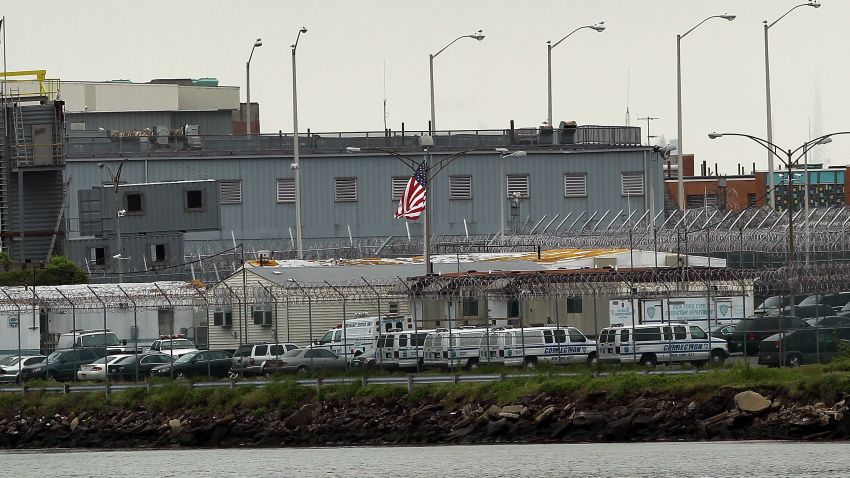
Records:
x=648, y=119
x=385, y=95
x=628, y=87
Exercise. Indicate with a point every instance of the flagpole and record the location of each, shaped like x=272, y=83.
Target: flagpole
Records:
x=426, y=240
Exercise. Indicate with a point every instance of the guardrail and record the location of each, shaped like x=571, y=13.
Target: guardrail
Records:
x=409, y=380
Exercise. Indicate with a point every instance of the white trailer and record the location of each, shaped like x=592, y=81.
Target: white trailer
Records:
x=700, y=311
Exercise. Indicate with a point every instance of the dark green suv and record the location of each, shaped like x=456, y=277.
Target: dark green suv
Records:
x=63, y=364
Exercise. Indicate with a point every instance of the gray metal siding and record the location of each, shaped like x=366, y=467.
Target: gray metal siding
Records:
x=260, y=216
x=136, y=252
x=42, y=194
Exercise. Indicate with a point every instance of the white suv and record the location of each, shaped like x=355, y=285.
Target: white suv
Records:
x=653, y=344
x=250, y=359
x=175, y=347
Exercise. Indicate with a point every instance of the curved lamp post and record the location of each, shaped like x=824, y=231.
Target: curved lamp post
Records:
x=767, y=27
x=295, y=166
x=432, y=170
x=599, y=27
x=115, y=179
x=476, y=36
x=681, y=149
x=789, y=160
x=257, y=43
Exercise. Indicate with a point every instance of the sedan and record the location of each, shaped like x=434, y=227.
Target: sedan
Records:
x=213, y=363
x=841, y=324
x=97, y=370
x=10, y=367
x=140, y=365
x=723, y=332
x=302, y=360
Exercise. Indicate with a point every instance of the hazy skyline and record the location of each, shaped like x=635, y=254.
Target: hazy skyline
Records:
x=479, y=85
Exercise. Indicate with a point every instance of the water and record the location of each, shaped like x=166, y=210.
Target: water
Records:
x=632, y=460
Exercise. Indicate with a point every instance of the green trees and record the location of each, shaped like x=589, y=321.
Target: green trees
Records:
x=59, y=270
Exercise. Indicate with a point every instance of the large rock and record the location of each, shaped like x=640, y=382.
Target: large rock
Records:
x=752, y=402
x=518, y=410
x=305, y=415
x=75, y=423
x=176, y=425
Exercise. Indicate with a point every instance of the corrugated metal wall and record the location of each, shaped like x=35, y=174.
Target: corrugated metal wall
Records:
x=137, y=253
x=42, y=196
x=260, y=216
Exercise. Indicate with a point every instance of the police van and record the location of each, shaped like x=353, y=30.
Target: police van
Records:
x=360, y=335
x=453, y=348
x=651, y=344
x=397, y=349
x=530, y=345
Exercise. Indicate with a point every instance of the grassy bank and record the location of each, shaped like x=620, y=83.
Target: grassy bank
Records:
x=813, y=383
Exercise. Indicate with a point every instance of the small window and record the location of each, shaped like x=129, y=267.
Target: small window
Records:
x=262, y=314
x=345, y=189
x=402, y=340
x=751, y=199
x=389, y=341
x=517, y=186
x=223, y=316
x=576, y=336
x=158, y=252
x=560, y=336
x=668, y=334
x=624, y=335
x=547, y=337
x=98, y=255
x=230, y=191
x=648, y=334
x=575, y=185
x=399, y=185
x=460, y=187
x=277, y=350
x=286, y=190
x=697, y=333
x=392, y=308
x=574, y=305
x=632, y=184
x=194, y=199
x=513, y=308
x=261, y=350
x=470, y=308
x=679, y=332
x=133, y=203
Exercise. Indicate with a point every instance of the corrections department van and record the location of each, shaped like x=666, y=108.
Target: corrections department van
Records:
x=453, y=348
x=667, y=344
x=402, y=349
x=530, y=345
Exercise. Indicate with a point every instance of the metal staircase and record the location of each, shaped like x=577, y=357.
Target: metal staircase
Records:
x=21, y=157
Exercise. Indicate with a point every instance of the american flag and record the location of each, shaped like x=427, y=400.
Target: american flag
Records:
x=413, y=199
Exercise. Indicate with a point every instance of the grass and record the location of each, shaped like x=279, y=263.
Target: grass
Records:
x=827, y=383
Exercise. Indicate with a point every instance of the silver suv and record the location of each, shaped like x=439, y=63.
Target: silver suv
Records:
x=250, y=359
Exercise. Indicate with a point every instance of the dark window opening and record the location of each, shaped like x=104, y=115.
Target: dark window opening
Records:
x=99, y=255
x=158, y=252
x=194, y=199
x=470, y=308
x=574, y=305
x=513, y=308
x=133, y=203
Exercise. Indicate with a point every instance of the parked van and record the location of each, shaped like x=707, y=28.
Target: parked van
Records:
x=453, y=348
x=530, y=345
x=653, y=344
x=402, y=349
x=361, y=334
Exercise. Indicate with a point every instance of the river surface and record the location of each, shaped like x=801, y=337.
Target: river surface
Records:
x=656, y=460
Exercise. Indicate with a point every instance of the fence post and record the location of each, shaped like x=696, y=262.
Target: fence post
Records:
x=364, y=381
x=410, y=384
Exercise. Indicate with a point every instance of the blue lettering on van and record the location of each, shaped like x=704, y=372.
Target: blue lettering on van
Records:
x=563, y=350
x=684, y=347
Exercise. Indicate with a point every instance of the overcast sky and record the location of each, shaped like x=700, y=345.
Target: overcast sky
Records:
x=478, y=84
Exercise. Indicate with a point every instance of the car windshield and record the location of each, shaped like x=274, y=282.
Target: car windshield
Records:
x=96, y=340
x=126, y=359
x=812, y=300
x=176, y=344
x=185, y=358
x=9, y=361
x=773, y=302
x=294, y=353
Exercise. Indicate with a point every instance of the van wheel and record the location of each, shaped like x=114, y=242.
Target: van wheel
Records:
x=648, y=360
x=592, y=359
x=52, y=376
x=180, y=375
x=472, y=364
x=794, y=360
x=302, y=370
x=718, y=357
x=530, y=362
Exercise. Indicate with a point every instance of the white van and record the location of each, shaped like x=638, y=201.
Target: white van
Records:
x=530, y=345
x=402, y=349
x=359, y=336
x=653, y=344
x=453, y=348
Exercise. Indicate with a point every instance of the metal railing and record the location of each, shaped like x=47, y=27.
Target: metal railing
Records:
x=100, y=144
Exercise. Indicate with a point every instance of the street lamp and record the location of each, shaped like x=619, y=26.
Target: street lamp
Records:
x=599, y=27
x=681, y=148
x=115, y=178
x=767, y=26
x=432, y=170
x=477, y=36
x=257, y=43
x=789, y=161
x=295, y=166
x=504, y=154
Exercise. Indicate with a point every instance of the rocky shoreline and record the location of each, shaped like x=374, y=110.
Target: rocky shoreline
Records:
x=728, y=414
